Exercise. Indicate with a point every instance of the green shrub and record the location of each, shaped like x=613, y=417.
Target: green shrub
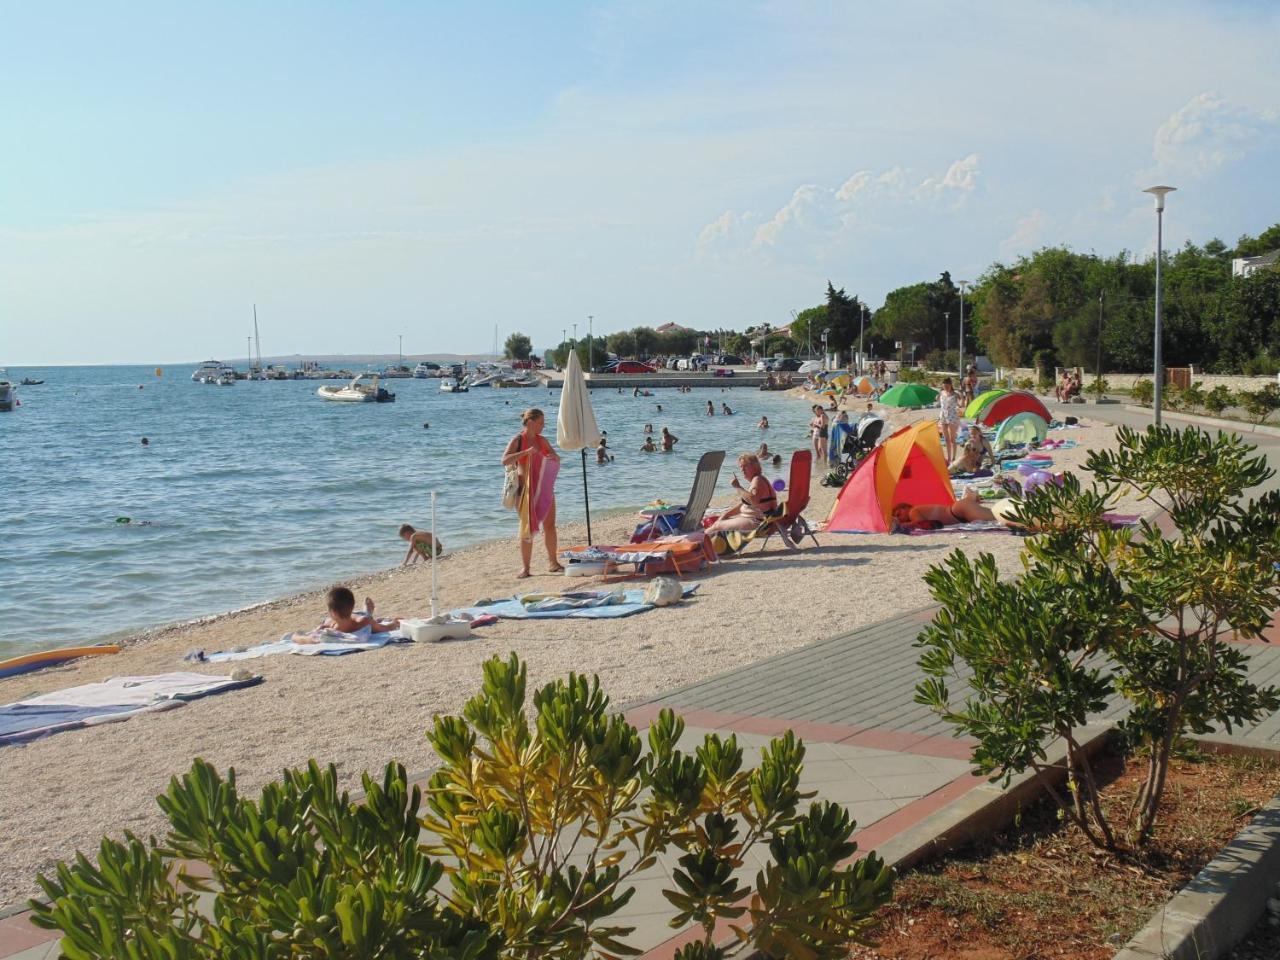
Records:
x=1099, y=386
x=539, y=819
x=1193, y=397
x=1258, y=405
x=1218, y=399
x=1098, y=611
x=1024, y=383
x=1262, y=365
x=1143, y=392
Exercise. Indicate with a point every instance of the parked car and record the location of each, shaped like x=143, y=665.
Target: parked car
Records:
x=765, y=365
x=730, y=360
x=627, y=366
x=786, y=365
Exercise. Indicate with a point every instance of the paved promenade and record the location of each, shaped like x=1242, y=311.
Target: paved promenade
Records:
x=870, y=748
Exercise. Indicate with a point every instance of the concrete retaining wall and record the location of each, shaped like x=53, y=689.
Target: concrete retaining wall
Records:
x=1123, y=381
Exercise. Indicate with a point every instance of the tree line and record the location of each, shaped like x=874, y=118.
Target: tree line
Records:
x=1054, y=307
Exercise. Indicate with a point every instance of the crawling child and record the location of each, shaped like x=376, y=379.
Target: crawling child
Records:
x=421, y=544
x=342, y=616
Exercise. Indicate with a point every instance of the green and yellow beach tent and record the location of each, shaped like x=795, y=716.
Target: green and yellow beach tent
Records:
x=979, y=403
x=1021, y=428
x=909, y=395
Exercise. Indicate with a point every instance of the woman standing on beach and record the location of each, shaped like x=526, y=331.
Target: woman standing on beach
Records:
x=949, y=417
x=820, y=427
x=537, y=464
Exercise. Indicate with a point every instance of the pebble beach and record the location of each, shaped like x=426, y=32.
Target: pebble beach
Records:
x=62, y=793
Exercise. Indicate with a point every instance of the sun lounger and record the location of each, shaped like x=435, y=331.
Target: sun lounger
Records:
x=791, y=526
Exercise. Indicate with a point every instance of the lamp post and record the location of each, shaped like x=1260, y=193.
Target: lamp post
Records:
x=861, y=324
x=1097, y=367
x=1159, y=194
x=591, y=346
x=963, y=284
x=946, y=337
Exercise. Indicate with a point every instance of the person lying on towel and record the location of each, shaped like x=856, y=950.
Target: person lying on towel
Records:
x=342, y=616
x=931, y=516
x=758, y=499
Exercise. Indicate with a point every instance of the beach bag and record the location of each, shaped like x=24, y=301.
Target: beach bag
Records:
x=511, y=486
x=663, y=591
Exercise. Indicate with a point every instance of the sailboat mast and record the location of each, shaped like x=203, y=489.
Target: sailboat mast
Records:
x=256, y=344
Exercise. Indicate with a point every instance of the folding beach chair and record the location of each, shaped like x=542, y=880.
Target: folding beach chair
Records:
x=704, y=484
x=792, y=527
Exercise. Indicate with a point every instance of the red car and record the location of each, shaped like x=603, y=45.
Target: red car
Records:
x=629, y=366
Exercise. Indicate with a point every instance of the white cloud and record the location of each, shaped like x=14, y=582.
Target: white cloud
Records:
x=1207, y=133
x=720, y=232
x=960, y=180
x=1027, y=232
x=804, y=209
x=855, y=185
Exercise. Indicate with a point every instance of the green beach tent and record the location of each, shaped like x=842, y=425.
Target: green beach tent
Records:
x=909, y=395
x=1021, y=428
x=978, y=403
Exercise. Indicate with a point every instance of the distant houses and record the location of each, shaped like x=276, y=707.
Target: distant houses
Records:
x=1248, y=266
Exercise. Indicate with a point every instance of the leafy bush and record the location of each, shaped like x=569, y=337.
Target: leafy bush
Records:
x=1099, y=611
x=1025, y=383
x=1193, y=397
x=1258, y=405
x=943, y=360
x=1144, y=392
x=1099, y=386
x=908, y=374
x=1218, y=399
x=538, y=820
x=1262, y=365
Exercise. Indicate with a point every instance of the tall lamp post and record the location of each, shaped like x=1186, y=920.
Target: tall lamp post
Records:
x=946, y=337
x=825, y=331
x=963, y=284
x=591, y=355
x=1159, y=194
x=1097, y=366
x=862, y=367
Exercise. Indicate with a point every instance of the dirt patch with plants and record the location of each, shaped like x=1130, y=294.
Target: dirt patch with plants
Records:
x=1042, y=889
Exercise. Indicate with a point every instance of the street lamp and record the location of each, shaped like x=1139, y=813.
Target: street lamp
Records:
x=861, y=323
x=963, y=284
x=946, y=341
x=825, y=331
x=591, y=354
x=1159, y=194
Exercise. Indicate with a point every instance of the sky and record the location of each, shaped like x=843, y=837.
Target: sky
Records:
x=436, y=170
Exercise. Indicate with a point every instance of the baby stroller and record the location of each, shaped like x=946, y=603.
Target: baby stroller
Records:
x=857, y=444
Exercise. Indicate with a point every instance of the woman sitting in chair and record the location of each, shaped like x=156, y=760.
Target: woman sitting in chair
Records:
x=757, y=495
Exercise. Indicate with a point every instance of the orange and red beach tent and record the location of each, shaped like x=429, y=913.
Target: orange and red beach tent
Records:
x=906, y=468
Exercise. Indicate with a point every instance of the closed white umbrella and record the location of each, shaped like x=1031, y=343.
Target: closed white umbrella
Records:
x=576, y=427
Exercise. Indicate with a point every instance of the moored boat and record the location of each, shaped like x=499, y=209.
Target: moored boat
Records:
x=451, y=385
x=6, y=396
x=357, y=392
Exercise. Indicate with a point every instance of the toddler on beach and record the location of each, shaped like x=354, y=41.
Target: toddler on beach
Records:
x=342, y=616
x=421, y=544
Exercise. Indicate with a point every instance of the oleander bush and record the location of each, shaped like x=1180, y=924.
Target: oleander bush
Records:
x=1099, y=386
x=1143, y=392
x=1259, y=405
x=1099, y=612
x=1218, y=399
x=535, y=824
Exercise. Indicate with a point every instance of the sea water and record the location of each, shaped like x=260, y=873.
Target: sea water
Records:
x=262, y=489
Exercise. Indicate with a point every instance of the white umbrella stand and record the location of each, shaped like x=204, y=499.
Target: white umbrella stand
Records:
x=576, y=427
x=440, y=626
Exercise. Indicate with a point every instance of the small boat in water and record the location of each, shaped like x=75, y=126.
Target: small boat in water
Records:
x=424, y=370
x=28, y=382
x=212, y=371
x=357, y=392
x=451, y=385
x=6, y=396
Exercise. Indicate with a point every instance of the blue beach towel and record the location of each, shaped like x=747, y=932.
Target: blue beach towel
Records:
x=580, y=605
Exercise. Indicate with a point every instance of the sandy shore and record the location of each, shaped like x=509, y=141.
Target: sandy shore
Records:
x=62, y=793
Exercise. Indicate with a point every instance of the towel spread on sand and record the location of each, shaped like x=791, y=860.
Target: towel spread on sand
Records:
x=314, y=643
x=118, y=698
x=513, y=608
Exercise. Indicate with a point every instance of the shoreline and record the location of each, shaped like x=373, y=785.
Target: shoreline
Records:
x=64, y=792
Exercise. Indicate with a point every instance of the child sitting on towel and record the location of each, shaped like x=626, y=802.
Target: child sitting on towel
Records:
x=342, y=616
x=421, y=544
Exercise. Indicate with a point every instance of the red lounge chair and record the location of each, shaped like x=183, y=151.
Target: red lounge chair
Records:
x=792, y=527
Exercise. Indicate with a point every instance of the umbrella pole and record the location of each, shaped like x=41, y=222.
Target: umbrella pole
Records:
x=585, y=497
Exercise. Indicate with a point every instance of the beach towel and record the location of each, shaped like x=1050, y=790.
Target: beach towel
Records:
x=978, y=526
x=513, y=608
x=314, y=643
x=539, y=491
x=108, y=701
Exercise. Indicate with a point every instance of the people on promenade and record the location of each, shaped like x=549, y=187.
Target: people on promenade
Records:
x=949, y=417
x=757, y=498
x=529, y=451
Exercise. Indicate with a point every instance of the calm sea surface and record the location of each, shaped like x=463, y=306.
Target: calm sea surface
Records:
x=263, y=489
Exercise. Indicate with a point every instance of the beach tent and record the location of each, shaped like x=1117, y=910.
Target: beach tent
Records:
x=1021, y=428
x=906, y=468
x=979, y=403
x=1016, y=401
x=909, y=395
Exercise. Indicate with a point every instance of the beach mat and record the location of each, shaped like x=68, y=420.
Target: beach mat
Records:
x=512, y=608
x=107, y=701
x=315, y=643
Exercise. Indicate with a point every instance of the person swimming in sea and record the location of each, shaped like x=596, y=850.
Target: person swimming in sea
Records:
x=649, y=446
x=669, y=440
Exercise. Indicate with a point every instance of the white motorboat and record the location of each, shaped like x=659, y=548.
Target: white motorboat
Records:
x=357, y=392
x=424, y=370
x=6, y=396
x=451, y=385
x=227, y=380
x=211, y=371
